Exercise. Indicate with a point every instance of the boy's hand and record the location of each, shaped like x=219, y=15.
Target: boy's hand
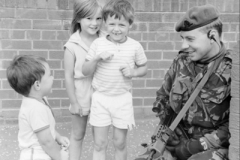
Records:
x=64, y=142
x=106, y=56
x=76, y=109
x=127, y=71
x=64, y=154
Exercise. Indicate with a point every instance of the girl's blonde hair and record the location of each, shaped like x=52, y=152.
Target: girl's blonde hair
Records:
x=82, y=9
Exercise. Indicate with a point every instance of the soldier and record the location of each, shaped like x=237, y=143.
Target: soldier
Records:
x=206, y=121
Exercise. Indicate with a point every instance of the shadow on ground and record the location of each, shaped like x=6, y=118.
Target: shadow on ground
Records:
x=141, y=133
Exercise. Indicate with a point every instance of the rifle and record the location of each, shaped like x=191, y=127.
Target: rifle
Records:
x=160, y=137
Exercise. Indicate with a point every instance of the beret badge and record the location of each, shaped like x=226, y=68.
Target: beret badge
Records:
x=187, y=24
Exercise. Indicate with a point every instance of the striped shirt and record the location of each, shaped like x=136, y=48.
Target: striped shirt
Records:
x=108, y=78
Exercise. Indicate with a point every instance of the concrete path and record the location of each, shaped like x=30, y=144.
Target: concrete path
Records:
x=141, y=133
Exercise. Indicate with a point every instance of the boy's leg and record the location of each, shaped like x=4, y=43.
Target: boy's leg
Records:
x=120, y=143
x=78, y=131
x=100, y=136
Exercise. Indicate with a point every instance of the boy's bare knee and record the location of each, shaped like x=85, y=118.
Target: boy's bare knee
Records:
x=119, y=145
x=100, y=146
x=78, y=135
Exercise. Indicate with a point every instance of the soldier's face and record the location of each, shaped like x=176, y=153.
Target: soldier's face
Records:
x=197, y=44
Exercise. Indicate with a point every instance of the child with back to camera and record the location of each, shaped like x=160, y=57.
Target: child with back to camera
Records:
x=85, y=28
x=112, y=60
x=31, y=77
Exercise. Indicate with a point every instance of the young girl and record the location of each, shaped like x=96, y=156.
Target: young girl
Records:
x=85, y=27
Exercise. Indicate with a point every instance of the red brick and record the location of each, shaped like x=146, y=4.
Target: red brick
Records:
x=47, y=24
x=154, y=55
x=229, y=6
x=177, y=46
x=166, y=6
x=236, y=6
x=12, y=44
x=161, y=36
x=56, y=55
x=8, y=94
x=158, y=73
x=157, y=6
x=59, y=74
x=3, y=74
x=31, y=13
x=60, y=14
x=65, y=103
x=43, y=54
x=57, y=112
x=63, y=119
x=161, y=26
x=172, y=17
x=65, y=112
x=57, y=84
x=137, y=83
x=10, y=113
x=202, y=2
x=58, y=94
x=229, y=37
x=212, y=2
x=2, y=3
x=63, y=35
x=4, y=64
x=7, y=54
x=229, y=17
x=11, y=104
x=33, y=34
x=192, y=3
x=169, y=55
x=143, y=5
x=51, y=45
x=144, y=92
x=148, y=36
x=160, y=46
x=175, y=36
x=66, y=25
x=11, y=3
x=15, y=24
x=49, y=35
x=175, y=6
x=62, y=4
x=183, y=5
x=226, y=27
x=149, y=101
x=136, y=36
x=165, y=64
x=137, y=101
x=234, y=27
x=54, y=64
x=7, y=13
x=17, y=34
x=52, y=4
x=144, y=45
x=148, y=17
x=4, y=34
x=41, y=3
x=11, y=121
x=139, y=27
x=153, y=83
x=6, y=85
x=54, y=103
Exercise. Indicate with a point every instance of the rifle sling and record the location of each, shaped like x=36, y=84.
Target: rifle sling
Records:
x=183, y=111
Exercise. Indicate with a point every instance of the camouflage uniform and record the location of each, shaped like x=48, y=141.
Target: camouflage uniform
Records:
x=207, y=118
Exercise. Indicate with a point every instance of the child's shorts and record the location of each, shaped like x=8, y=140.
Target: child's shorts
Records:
x=33, y=154
x=112, y=109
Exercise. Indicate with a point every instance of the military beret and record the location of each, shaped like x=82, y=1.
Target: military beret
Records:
x=197, y=17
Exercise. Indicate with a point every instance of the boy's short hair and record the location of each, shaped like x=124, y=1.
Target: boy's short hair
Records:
x=119, y=8
x=23, y=71
x=217, y=25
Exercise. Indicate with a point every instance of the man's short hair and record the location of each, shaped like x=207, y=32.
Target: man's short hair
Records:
x=217, y=25
x=23, y=71
x=119, y=8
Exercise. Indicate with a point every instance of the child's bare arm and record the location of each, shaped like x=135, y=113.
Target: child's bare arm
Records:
x=50, y=146
x=69, y=61
x=89, y=67
x=62, y=140
x=129, y=72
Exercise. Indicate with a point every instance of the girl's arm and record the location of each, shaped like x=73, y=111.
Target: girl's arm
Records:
x=50, y=146
x=69, y=61
x=61, y=140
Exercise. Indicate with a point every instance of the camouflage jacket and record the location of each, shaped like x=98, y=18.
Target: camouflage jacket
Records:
x=208, y=115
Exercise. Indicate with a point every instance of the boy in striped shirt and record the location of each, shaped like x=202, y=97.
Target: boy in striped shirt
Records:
x=114, y=60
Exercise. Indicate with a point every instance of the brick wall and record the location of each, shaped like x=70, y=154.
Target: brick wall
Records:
x=41, y=27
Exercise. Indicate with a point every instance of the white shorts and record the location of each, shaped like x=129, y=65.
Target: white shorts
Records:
x=112, y=109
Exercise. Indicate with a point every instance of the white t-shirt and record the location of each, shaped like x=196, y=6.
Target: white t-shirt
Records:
x=34, y=116
x=108, y=78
